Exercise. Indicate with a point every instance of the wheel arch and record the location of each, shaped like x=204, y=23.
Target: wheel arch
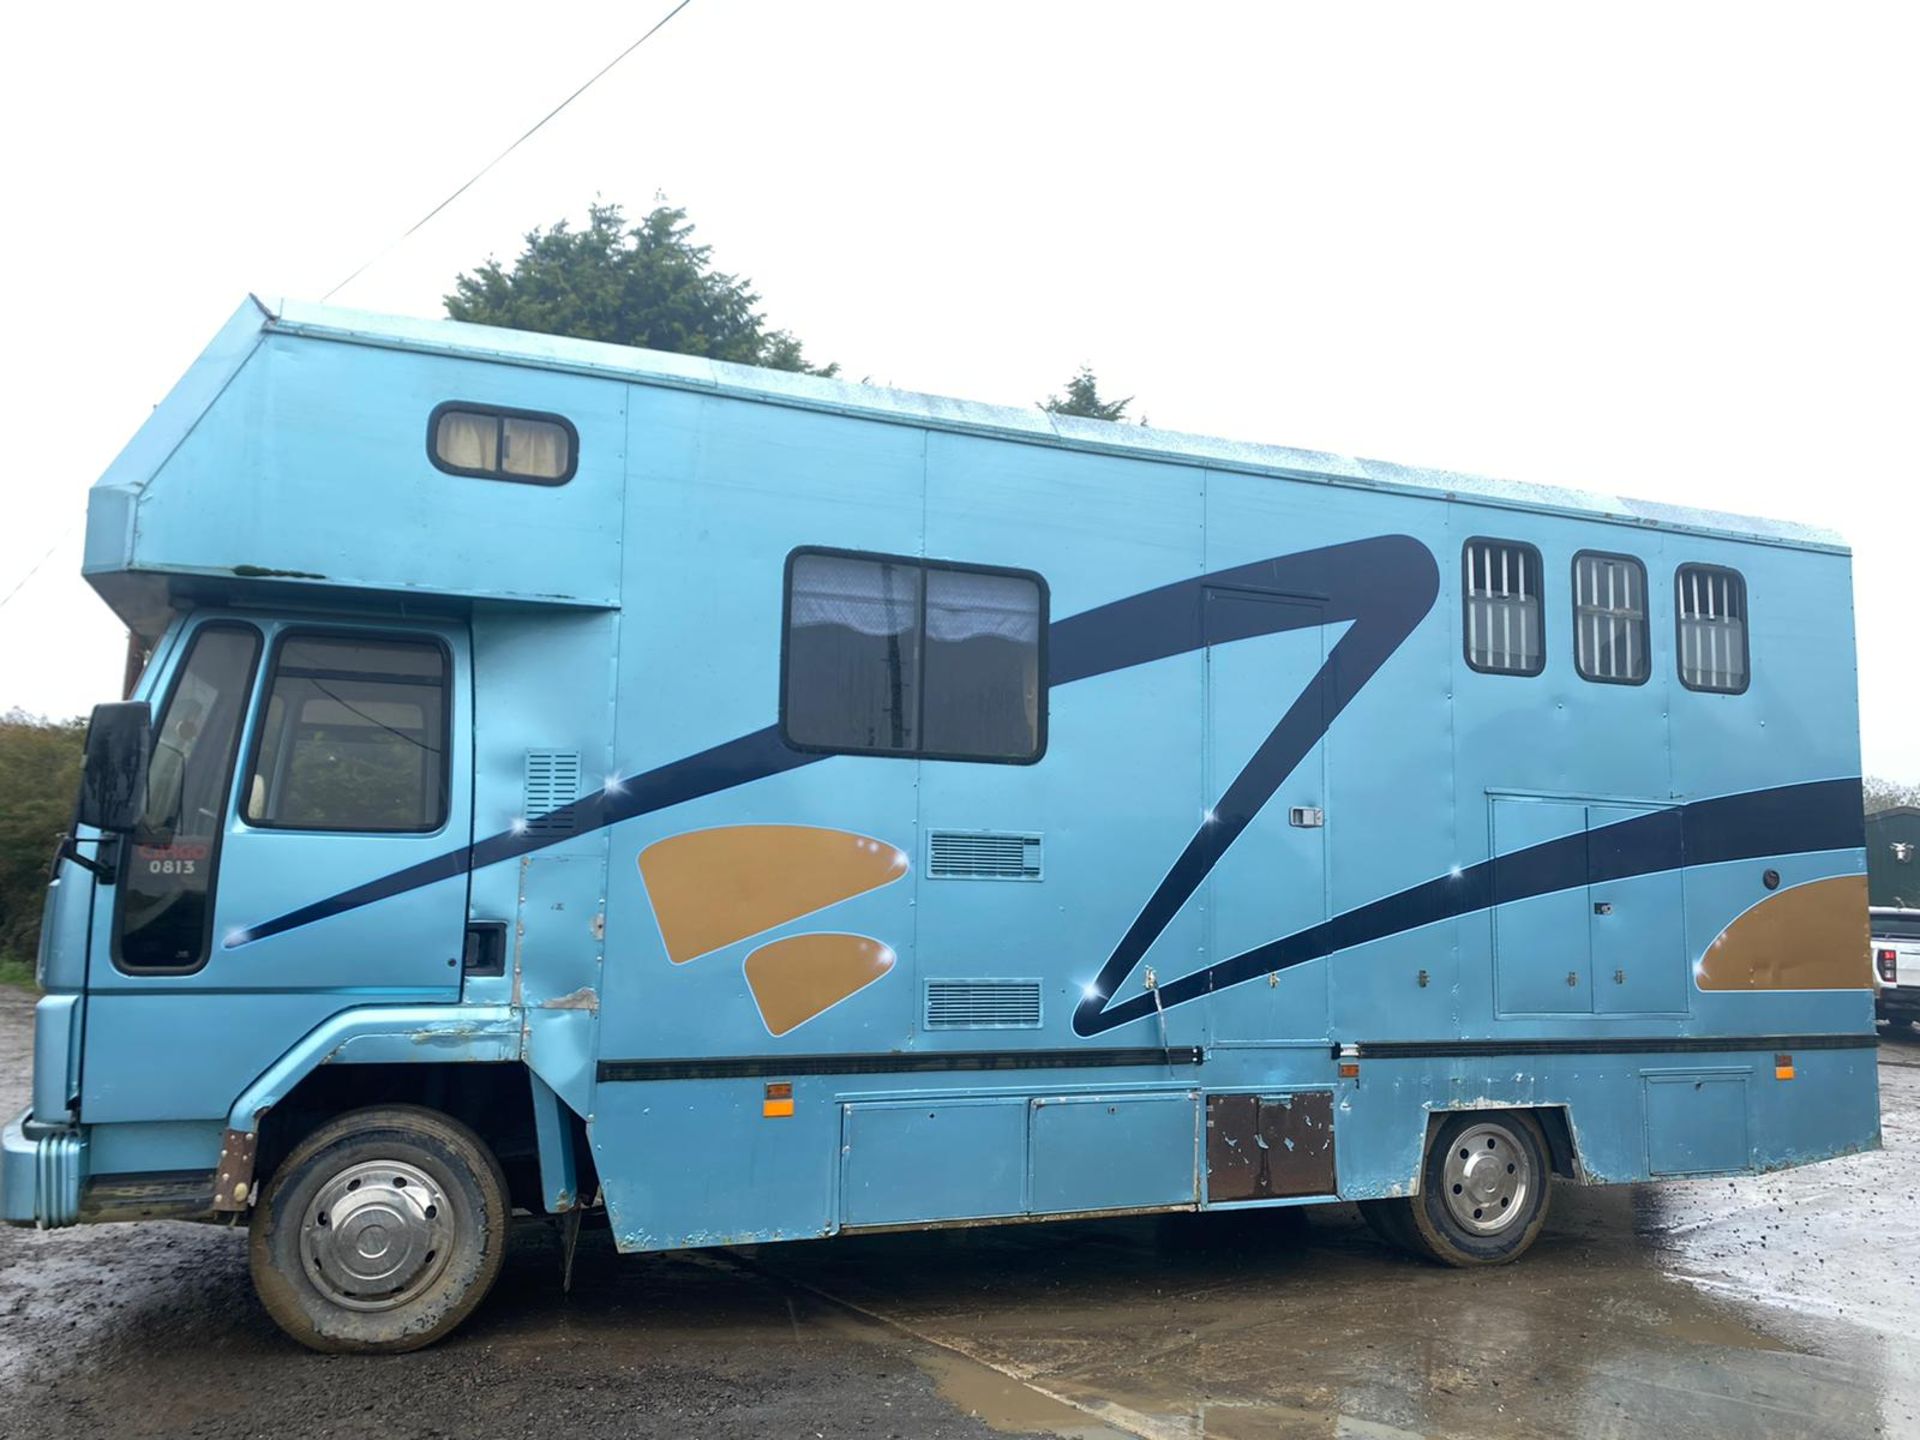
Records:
x=1554, y=1122
x=463, y=1062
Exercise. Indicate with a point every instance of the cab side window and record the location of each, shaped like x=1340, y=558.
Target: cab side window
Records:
x=353, y=737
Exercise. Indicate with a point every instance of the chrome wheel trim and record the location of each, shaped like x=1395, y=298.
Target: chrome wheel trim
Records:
x=1487, y=1180
x=376, y=1234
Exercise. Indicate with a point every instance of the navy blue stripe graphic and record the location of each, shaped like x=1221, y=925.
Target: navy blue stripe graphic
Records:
x=1793, y=819
x=1397, y=569
x=1384, y=586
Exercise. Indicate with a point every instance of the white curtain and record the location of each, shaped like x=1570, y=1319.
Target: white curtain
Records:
x=468, y=441
x=536, y=448
x=878, y=598
x=962, y=605
x=869, y=596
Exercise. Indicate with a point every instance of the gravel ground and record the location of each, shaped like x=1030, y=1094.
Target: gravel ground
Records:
x=1774, y=1305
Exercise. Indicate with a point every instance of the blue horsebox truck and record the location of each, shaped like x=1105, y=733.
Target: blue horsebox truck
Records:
x=563, y=778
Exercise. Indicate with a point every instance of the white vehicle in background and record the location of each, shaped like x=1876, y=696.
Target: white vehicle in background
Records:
x=1895, y=944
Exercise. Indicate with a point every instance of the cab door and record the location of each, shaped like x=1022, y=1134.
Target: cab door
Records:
x=309, y=812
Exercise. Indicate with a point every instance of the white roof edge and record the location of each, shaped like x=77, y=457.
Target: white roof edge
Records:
x=592, y=357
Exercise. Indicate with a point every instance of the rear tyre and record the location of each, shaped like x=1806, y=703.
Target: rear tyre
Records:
x=1484, y=1189
x=381, y=1232
x=1392, y=1221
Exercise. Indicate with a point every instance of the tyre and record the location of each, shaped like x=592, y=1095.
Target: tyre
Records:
x=1392, y=1221
x=381, y=1232
x=1484, y=1189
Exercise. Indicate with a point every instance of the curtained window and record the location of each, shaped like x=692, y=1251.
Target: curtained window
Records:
x=901, y=657
x=502, y=444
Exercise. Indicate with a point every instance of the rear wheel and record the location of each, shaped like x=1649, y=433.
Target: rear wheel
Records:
x=1483, y=1193
x=381, y=1232
x=1392, y=1221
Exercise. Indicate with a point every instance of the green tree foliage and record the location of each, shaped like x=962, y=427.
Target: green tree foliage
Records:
x=648, y=285
x=1083, y=399
x=1887, y=794
x=39, y=775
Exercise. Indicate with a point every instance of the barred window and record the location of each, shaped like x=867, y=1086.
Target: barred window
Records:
x=1500, y=581
x=1610, y=618
x=1711, y=611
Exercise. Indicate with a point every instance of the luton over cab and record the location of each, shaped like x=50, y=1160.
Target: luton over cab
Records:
x=564, y=778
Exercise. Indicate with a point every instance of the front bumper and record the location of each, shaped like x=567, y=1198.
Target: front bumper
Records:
x=42, y=1171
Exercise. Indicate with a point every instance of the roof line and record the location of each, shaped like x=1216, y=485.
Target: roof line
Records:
x=1037, y=427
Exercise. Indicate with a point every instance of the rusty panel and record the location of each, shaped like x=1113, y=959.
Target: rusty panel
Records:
x=1263, y=1147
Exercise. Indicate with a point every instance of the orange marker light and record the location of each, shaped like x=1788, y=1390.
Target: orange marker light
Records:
x=1783, y=1067
x=779, y=1102
x=1349, y=1071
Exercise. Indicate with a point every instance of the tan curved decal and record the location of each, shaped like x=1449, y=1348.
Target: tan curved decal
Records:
x=712, y=887
x=1812, y=937
x=795, y=979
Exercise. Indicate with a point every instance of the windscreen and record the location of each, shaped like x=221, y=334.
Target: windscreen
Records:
x=167, y=894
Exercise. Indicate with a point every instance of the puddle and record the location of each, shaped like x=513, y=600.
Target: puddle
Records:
x=1642, y=1312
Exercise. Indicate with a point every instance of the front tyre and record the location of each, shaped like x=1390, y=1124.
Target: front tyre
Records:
x=1484, y=1189
x=381, y=1232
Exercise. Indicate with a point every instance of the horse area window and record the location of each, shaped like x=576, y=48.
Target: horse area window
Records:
x=1710, y=608
x=904, y=657
x=1610, y=618
x=494, y=444
x=1500, y=581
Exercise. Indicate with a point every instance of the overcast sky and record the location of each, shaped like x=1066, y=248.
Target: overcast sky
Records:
x=1656, y=250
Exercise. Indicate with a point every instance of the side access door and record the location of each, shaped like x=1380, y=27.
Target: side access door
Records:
x=1263, y=651
x=310, y=805
x=1599, y=945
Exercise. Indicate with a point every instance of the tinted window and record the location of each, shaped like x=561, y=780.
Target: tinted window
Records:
x=982, y=665
x=895, y=656
x=1896, y=927
x=1610, y=618
x=166, y=900
x=1711, y=605
x=502, y=444
x=353, y=737
x=1500, y=580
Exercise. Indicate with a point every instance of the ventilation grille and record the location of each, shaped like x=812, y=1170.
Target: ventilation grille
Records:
x=553, y=781
x=983, y=1005
x=982, y=855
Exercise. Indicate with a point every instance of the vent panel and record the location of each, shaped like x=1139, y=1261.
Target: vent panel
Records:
x=983, y=1005
x=553, y=781
x=982, y=855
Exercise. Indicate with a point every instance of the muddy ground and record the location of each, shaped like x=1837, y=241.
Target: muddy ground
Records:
x=1782, y=1305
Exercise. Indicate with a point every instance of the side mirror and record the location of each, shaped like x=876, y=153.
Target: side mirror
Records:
x=113, y=786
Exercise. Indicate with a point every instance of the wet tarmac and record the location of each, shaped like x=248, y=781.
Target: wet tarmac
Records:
x=1782, y=1305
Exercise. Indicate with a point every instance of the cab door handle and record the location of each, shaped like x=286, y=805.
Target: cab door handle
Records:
x=1603, y=907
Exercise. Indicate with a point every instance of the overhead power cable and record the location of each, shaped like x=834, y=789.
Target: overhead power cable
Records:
x=533, y=130
x=34, y=569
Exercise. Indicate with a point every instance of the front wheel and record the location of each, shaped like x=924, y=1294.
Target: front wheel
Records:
x=1483, y=1193
x=381, y=1232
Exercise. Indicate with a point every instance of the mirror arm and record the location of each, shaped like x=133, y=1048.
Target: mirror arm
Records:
x=101, y=871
